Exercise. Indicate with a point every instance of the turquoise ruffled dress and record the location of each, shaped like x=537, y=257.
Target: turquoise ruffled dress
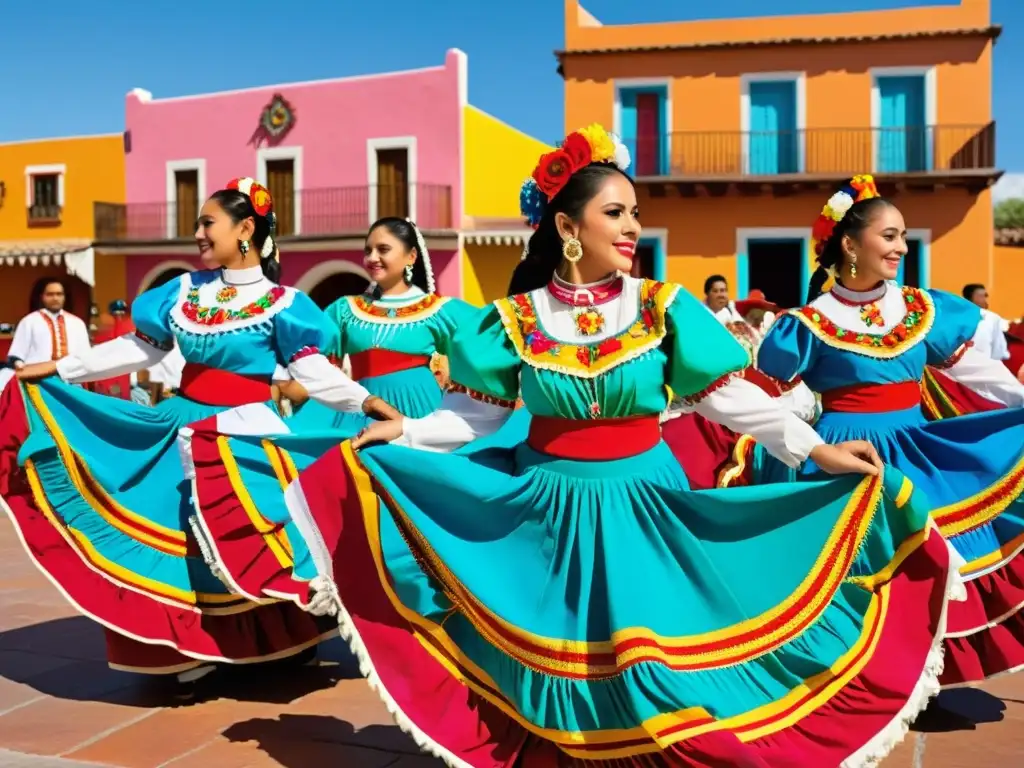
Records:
x=971, y=468
x=415, y=324
x=512, y=604
x=97, y=488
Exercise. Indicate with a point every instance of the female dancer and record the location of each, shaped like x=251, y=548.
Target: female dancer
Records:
x=864, y=345
x=526, y=605
x=95, y=486
x=391, y=333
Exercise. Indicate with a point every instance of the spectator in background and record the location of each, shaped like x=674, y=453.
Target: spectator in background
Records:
x=989, y=338
x=49, y=331
x=716, y=298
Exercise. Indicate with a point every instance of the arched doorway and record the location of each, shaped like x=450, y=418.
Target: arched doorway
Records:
x=330, y=289
x=166, y=276
x=328, y=281
x=163, y=273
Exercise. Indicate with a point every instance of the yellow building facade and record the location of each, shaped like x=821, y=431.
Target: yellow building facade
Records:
x=497, y=158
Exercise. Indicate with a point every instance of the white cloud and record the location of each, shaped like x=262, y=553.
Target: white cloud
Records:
x=1009, y=186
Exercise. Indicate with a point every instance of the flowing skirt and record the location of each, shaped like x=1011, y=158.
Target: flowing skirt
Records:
x=972, y=470
x=97, y=493
x=509, y=605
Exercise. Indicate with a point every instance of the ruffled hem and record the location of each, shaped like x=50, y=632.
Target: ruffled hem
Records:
x=985, y=636
x=255, y=562
x=944, y=398
x=461, y=719
x=242, y=633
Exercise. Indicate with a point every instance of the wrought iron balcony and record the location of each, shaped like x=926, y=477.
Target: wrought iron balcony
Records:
x=821, y=152
x=309, y=213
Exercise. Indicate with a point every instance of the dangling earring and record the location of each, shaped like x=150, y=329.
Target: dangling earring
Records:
x=853, y=265
x=243, y=246
x=408, y=274
x=572, y=250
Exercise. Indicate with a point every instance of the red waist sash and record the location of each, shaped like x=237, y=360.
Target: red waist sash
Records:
x=872, y=398
x=594, y=439
x=380, y=362
x=211, y=386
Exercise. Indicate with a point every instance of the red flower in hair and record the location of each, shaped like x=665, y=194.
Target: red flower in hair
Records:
x=821, y=232
x=578, y=149
x=553, y=171
x=261, y=201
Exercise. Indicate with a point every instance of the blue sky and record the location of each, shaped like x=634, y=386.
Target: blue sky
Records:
x=66, y=66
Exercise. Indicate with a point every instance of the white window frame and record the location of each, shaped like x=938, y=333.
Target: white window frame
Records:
x=54, y=169
x=800, y=81
x=408, y=143
x=293, y=153
x=925, y=238
x=931, y=103
x=172, y=167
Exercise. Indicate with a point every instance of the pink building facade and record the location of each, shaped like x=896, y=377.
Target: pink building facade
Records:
x=336, y=154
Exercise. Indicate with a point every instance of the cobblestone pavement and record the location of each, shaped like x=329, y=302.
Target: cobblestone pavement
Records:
x=61, y=707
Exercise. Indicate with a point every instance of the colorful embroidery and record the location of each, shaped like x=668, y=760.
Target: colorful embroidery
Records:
x=480, y=396
x=218, y=315
x=538, y=349
x=872, y=315
x=715, y=385
x=912, y=329
x=589, y=321
x=366, y=309
x=58, y=335
x=166, y=346
x=226, y=294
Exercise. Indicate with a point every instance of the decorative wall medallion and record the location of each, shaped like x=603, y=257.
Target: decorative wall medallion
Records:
x=278, y=117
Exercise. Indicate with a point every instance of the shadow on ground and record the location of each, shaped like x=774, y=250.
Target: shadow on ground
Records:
x=298, y=741
x=960, y=709
x=66, y=659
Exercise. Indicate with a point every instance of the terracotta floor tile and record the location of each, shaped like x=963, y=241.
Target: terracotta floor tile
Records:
x=14, y=694
x=227, y=754
x=168, y=734
x=54, y=726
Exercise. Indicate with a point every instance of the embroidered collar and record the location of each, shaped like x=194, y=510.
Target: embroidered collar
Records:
x=856, y=298
x=247, y=276
x=586, y=294
x=48, y=313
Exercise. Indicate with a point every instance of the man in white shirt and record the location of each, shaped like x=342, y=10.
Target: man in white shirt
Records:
x=989, y=339
x=49, y=332
x=716, y=299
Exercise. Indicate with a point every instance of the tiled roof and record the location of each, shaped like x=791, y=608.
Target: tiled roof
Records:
x=991, y=32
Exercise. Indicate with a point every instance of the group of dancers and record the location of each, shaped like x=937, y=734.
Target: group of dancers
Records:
x=519, y=558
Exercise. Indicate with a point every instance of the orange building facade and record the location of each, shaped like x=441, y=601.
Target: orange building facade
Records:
x=740, y=129
x=48, y=188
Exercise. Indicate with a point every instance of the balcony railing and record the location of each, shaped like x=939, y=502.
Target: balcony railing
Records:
x=816, y=151
x=309, y=213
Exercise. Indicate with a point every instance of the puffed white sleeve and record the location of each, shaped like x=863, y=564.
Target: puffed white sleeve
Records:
x=747, y=409
x=21, y=344
x=117, y=357
x=484, y=369
x=985, y=376
x=302, y=332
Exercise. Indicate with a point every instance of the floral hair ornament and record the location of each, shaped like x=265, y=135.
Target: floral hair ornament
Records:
x=592, y=144
x=421, y=246
x=853, y=191
x=263, y=204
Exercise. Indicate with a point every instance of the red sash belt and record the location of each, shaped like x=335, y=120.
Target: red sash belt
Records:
x=380, y=362
x=872, y=398
x=594, y=439
x=211, y=386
